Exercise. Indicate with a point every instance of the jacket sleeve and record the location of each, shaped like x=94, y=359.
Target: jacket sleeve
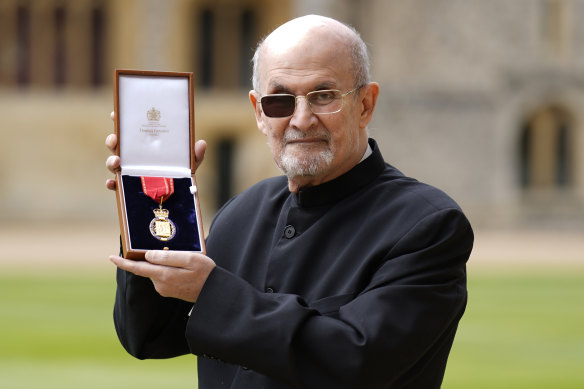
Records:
x=397, y=332
x=148, y=325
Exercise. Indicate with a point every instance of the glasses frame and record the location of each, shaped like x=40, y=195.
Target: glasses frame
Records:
x=306, y=97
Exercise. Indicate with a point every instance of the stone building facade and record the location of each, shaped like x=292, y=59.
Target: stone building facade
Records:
x=487, y=101
x=480, y=98
x=483, y=99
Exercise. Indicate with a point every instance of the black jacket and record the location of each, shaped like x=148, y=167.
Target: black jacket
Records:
x=356, y=283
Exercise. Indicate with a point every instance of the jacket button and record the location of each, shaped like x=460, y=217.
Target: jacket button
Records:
x=289, y=232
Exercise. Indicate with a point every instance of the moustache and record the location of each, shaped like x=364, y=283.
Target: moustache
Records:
x=293, y=135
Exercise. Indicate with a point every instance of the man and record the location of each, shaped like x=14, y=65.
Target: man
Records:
x=343, y=273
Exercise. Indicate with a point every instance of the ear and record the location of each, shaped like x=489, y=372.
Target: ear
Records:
x=368, y=101
x=257, y=108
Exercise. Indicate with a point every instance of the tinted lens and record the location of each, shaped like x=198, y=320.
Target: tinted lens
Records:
x=278, y=106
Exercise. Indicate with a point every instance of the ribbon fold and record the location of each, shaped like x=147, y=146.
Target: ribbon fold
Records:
x=158, y=189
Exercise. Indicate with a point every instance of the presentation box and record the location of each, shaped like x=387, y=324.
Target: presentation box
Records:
x=156, y=192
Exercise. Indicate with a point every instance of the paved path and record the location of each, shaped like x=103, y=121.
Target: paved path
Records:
x=89, y=246
x=58, y=244
x=528, y=248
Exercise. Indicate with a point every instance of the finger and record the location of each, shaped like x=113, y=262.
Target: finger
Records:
x=113, y=163
x=110, y=184
x=179, y=259
x=113, y=115
x=139, y=268
x=200, y=148
x=111, y=142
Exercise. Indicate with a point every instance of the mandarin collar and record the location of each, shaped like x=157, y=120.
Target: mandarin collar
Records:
x=346, y=184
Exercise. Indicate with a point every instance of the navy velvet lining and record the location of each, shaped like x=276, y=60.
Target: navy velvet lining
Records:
x=181, y=206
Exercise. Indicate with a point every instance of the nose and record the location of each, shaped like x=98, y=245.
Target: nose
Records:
x=303, y=118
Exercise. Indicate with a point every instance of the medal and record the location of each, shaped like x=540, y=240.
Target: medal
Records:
x=159, y=189
x=161, y=227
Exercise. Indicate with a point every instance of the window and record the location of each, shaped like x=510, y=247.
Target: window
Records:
x=554, y=25
x=545, y=154
x=206, y=52
x=247, y=46
x=60, y=25
x=225, y=167
x=52, y=47
x=23, y=45
x=97, y=46
x=226, y=41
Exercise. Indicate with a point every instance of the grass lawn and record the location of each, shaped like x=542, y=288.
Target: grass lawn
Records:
x=57, y=332
x=523, y=329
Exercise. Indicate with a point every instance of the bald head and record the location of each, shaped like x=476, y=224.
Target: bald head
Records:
x=310, y=33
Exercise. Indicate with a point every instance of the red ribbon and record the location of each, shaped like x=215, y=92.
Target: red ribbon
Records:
x=158, y=189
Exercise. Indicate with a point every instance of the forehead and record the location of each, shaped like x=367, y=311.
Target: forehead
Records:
x=303, y=80
x=310, y=60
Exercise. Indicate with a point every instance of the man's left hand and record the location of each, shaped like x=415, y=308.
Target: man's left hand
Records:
x=175, y=274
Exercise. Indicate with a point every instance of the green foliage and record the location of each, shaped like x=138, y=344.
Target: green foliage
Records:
x=521, y=330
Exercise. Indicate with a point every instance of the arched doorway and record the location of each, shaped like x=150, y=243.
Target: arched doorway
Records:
x=545, y=150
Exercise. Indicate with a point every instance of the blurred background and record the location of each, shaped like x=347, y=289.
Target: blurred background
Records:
x=483, y=99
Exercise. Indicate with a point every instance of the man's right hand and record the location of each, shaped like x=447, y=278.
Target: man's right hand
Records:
x=113, y=161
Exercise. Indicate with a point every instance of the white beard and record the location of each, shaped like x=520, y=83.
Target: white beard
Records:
x=311, y=165
x=308, y=164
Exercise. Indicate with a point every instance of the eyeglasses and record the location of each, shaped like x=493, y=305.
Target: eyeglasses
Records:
x=320, y=102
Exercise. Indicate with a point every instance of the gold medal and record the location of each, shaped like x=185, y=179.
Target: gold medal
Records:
x=159, y=189
x=161, y=227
